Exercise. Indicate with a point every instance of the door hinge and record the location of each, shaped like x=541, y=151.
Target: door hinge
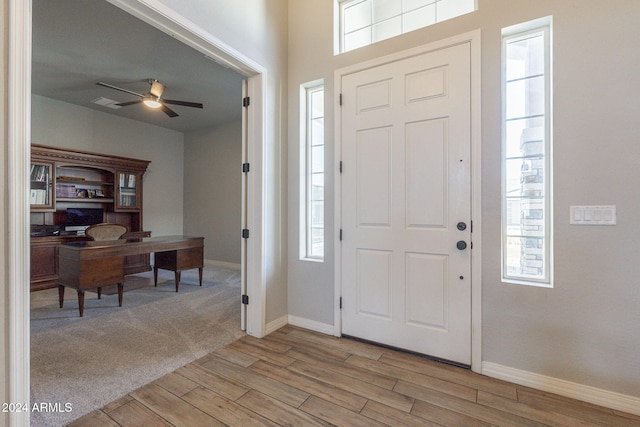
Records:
x=471, y=225
x=340, y=99
x=341, y=234
x=340, y=167
x=341, y=303
x=246, y=101
x=245, y=299
x=245, y=233
x=245, y=167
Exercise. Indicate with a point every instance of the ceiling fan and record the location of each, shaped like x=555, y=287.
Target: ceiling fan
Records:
x=153, y=98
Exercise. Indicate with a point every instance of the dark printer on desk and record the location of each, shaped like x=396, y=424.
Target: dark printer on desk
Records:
x=41, y=230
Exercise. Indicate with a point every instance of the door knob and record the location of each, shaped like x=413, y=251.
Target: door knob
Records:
x=462, y=245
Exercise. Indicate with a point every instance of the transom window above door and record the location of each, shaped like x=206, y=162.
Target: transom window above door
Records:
x=363, y=22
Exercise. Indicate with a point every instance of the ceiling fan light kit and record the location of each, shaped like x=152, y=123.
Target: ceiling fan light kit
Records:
x=151, y=102
x=153, y=99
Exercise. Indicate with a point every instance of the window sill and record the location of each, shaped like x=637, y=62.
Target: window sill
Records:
x=317, y=260
x=527, y=283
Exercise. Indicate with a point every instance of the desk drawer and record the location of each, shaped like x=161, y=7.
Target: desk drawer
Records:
x=183, y=259
x=91, y=273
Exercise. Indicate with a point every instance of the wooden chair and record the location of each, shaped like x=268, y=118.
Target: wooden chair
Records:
x=107, y=232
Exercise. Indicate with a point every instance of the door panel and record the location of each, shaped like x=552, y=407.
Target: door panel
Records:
x=373, y=157
x=374, y=96
x=374, y=283
x=426, y=290
x=426, y=163
x=405, y=185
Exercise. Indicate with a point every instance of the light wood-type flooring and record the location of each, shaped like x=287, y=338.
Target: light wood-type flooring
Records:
x=294, y=377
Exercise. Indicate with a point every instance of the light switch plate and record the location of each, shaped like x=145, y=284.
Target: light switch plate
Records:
x=593, y=215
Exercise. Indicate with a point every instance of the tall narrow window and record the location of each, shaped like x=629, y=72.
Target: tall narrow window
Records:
x=526, y=173
x=312, y=174
x=363, y=22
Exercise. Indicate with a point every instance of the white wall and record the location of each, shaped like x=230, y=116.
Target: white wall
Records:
x=60, y=124
x=213, y=190
x=584, y=330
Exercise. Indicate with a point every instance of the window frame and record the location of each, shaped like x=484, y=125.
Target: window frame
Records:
x=339, y=21
x=306, y=170
x=541, y=26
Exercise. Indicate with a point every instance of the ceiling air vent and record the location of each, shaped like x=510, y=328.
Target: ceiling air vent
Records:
x=106, y=102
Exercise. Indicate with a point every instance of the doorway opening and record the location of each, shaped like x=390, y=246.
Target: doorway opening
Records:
x=18, y=153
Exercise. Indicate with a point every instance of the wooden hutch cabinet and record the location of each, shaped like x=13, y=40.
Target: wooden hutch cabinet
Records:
x=64, y=182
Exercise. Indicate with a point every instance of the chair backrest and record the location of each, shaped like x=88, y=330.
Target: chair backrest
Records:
x=106, y=231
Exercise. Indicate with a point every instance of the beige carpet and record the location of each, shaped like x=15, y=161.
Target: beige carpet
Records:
x=84, y=363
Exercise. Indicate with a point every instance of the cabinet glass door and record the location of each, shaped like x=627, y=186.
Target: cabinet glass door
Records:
x=128, y=197
x=41, y=188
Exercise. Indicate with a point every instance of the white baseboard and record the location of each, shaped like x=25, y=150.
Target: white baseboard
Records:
x=312, y=325
x=300, y=322
x=274, y=325
x=215, y=263
x=597, y=396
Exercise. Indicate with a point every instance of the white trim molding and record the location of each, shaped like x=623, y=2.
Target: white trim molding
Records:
x=160, y=16
x=311, y=325
x=274, y=325
x=19, y=160
x=585, y=393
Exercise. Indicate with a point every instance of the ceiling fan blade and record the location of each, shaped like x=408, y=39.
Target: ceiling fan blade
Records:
x=168, y=111
x=183, y=103
x=157, y=88
x=124, y=104
x=119, y=88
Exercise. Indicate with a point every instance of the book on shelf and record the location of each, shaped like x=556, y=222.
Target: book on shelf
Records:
x=65, y=190
x=39, y=173
x=38, y=196
x=127, y=180
x=127, y=199
x=70, y=178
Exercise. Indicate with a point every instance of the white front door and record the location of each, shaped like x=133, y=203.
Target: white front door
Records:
x=406, y=203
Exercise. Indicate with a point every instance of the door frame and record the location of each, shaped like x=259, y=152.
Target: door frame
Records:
x=473, y=38
x=18, y=134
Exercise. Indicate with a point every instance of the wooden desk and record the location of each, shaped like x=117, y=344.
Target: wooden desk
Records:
x=86, y=265
x=44, y=258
